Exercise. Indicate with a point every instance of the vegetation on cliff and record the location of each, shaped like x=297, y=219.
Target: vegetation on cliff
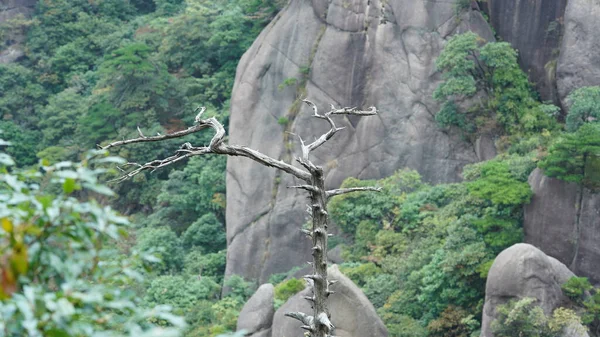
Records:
x=96, y=70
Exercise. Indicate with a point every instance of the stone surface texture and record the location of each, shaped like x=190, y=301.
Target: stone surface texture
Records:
x=563, y=220
x=534, y=28
x=8, y=10
x=353, y=60
x=579, y=62
x=521, y=271
x=352, y=313
x=256, y=316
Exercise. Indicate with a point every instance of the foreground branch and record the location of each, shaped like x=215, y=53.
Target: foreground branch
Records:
x=216, y=146
x=306, y=149
x=332, y=193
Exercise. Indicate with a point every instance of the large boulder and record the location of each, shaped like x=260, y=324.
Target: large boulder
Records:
x=533, y=27
x=338, y=52
x=351, y=312
x=563, y=220
x=579, y=62
x=256, y=316
x=521, y=271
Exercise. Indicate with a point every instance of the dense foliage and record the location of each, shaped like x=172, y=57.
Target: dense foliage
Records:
x=96, y=70
x=61, y=272
x=575, y=155
x=525, y=318
x=421, y=253
x=483, y=87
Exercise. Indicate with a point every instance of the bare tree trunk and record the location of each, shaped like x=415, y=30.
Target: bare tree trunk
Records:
x=319, y=251
x=319, y=324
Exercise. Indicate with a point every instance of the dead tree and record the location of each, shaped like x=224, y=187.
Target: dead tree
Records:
x=319, y=324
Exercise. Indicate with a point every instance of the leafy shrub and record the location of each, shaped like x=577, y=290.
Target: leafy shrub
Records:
x=406, y=326
x=575, y=157
x=453, y=322
x=61, y=275
x=24, y=143
x=348, y=210
x=206, y=234
x=164, y=244
x=379, y=288
x=498, y=185
x=212, y=264
x=489, y=74
x=289, y=288
x=283, y=121
x=226, y=312
x=584, y=107
x=239, y=288
x=192, y=193
x=180, y=291
x=525, y=318
x=359, y=273
x=576, y=287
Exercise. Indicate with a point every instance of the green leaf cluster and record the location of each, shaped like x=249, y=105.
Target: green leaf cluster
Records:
x=575, y=157
x=422, y=252
x=584, y=107
x=61, y=274
x=483, y=84
x=525, y=318
x=587, y=299
x=288, y=288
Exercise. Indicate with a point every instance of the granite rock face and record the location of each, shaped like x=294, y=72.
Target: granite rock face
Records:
x=256, y=316
x=521, y=271
x=8, y=10
x=349, y=58
x=352, y=313
x=579, y=62
x=563, y=220
x=533, y=27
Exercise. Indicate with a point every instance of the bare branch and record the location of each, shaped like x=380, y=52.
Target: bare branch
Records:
x=306, y=187
x=216, y=146
x=325, y=137
x=324, y=320
x=158, y=138
x=353, y=111
x=333, y=129
x=235, y=150
x=140, y=132
x=198, y=117
x=159, y=163
x=332, y=193
x=302, y=317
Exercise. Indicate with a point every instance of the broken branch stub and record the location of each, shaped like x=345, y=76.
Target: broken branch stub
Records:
x=314, y=184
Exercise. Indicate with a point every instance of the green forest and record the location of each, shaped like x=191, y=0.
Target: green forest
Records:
x=82, y=256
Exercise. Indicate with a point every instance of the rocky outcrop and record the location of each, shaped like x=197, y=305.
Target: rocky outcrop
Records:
x=351, y=312
x=579, y=62
x=556, y=41
x=9, y=49
x=11, y=8
x=256, y=316
x=339, y=52
x=533, y=27
x=523, y=271
x=563, y=220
